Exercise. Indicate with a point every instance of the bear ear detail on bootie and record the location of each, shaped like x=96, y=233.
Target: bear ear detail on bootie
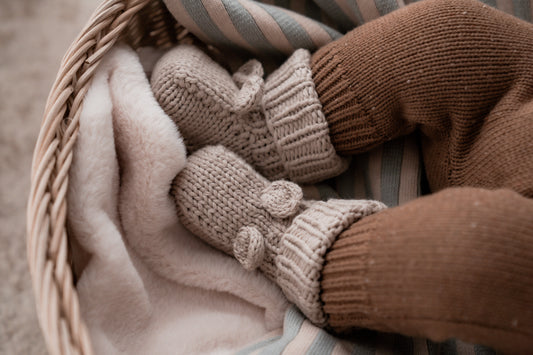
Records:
x=249, y=79
x=249, y=247
x=282, y=199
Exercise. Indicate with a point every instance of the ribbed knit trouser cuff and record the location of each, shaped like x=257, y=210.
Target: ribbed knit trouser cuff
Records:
x=458, y=71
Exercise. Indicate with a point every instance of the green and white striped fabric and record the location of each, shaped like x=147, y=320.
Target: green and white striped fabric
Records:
x=278, y=27
x=300, y=337
x=391, y=173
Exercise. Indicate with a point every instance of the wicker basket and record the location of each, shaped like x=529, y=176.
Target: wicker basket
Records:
x=138, y=23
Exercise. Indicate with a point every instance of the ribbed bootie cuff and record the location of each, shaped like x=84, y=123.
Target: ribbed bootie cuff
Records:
x=294, y=117
x=304, y=246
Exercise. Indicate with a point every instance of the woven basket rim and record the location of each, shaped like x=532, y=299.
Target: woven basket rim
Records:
x=136, y=22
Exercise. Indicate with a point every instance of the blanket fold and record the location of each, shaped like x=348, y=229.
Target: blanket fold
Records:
x=149, y=286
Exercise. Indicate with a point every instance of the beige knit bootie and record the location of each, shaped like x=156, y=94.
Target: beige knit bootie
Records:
x=263, y=224
x=276, y=125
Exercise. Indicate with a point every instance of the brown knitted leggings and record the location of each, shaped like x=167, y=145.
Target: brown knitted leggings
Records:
x=458, y=263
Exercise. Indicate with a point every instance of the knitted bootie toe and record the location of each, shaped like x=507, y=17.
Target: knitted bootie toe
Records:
x=264, y=225
x=275, y=125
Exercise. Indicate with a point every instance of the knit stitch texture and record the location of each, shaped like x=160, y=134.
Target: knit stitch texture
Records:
x=456, y=263
x=265, y=225
x=455, y=71
x=276, y=125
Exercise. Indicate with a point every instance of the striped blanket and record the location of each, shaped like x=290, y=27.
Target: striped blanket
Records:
x=276, y=27
x=301, y=337
x=392, y=173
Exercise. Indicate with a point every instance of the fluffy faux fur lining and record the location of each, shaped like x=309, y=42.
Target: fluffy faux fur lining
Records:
x=149, y=286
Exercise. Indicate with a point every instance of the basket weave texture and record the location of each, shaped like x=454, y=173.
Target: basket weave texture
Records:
x=137, y=23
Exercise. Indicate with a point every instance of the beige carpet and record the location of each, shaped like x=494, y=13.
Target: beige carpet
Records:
x=34, y=35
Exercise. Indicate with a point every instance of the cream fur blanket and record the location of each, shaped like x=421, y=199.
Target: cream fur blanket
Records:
x=146, y=285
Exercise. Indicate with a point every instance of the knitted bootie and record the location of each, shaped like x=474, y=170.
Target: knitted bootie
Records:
x=263, y=224
x=276, y=125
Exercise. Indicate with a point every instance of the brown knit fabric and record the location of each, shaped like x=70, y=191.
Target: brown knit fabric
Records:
x=458, y=70
x=455, y=264
x=458, y=263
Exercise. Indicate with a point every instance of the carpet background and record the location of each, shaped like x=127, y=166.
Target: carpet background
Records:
x=34, y=35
